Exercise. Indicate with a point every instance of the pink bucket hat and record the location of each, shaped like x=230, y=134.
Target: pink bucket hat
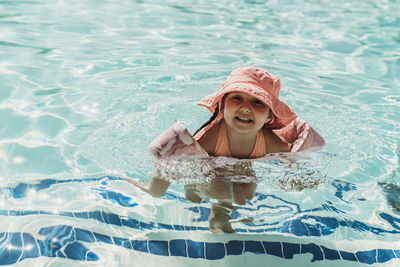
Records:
x=258, y=83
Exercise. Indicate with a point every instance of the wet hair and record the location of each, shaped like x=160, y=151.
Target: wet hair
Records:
x=208, y=122
x=216, y=112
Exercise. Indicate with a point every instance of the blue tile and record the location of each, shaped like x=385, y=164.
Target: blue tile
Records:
x=96, y=215
x=20, y=190
x=272, y=229
x=4, y=212
x=385, y=255
x=327, y=224
x=313, y=230
x=29, y=212
x=144, y=225
x=215, y=251
x=285, y=227
x=165, y=226
x=190, y=228
x=330, y=254
x=110, y=218
x=254, y=246
x=366, y=256
x=56, y=237
x=235, y=214
x=204, y=213
x=195, y=249
x=122, y=242
x=55, y=231
x=84, y=235
x=177, y=247
x=273, y=248
x=178, y=227
x=234, y=247
x=42, y=247
x=10, y=256
x=158, y=247
x=14, y=213
x=170, y=196
x=376, y=230
x=31, y=249
x=77, y=251
x=102, y=238
x=256, y=230
x=298, y=228
x=118, y=198
x=348, y=256
x=131, y=223
x=83, y=215
x=66, y=214
x=139, y=245
x=394, y=222
x=360, y=226
x=50, y=248
x=314, y=250
x=397, y=253
x=290, y=249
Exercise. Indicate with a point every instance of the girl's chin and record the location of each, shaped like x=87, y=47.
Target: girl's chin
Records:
x=243, y=127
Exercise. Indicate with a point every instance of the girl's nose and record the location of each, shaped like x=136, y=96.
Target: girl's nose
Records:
x=244, y=109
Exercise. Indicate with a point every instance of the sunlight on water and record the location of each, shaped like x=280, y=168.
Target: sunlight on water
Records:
x=85, y=86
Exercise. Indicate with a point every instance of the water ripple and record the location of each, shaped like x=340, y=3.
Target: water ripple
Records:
x=86, y=85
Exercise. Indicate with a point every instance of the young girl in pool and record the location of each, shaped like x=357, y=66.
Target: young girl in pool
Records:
x=248, y=121
x=245, y=111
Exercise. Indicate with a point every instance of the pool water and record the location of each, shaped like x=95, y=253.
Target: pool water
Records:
x=85, y=86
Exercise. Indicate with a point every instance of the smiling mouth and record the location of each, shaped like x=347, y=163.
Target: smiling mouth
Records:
x=243, y=119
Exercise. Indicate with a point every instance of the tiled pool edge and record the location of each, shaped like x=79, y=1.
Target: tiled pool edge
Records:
x=69, y=242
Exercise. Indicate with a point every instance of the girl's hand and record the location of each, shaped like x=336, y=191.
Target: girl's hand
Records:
x=156, y=188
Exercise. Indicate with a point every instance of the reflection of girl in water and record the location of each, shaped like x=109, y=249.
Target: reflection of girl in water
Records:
x=226, y=193
x=221, y=191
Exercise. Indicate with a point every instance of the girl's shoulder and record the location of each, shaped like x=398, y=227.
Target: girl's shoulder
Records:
x=209, y=139
x=274, y=143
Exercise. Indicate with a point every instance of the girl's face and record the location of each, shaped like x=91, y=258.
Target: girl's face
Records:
x=245, y=113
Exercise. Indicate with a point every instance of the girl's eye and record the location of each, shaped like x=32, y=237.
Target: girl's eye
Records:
x=258, y=102
x=236, y=98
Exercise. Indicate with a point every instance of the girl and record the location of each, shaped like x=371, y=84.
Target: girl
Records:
x=245, y=111
x=248, y=121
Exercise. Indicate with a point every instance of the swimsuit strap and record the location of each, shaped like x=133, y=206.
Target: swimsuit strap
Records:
x=259, y=148
x=222, y=145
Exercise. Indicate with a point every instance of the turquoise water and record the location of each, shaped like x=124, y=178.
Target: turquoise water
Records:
x=85, y=86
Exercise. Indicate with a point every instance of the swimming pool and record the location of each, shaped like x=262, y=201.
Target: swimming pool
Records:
x=85, y=86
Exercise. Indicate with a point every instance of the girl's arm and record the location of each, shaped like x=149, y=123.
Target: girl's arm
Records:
x=156, y=188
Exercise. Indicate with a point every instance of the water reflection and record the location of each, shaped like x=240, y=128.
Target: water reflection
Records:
x=222, y=186
x=221, y=195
